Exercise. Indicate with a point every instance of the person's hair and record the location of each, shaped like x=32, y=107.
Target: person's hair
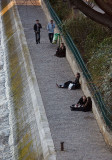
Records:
x=84, y=96
x=37, y=20
x=62, y=44
x=78, y=74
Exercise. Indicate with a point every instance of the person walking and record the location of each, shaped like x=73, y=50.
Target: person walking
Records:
x=37, y=28
x=50, y=28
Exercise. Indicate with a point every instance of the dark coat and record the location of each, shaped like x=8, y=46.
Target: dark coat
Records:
x=88, y=106
x=61, y=52
x=35, y=27
x=81, y=102
x=76, y=84
x=76, y=81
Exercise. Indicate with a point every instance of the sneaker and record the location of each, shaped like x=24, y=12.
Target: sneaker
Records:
x=57, y=85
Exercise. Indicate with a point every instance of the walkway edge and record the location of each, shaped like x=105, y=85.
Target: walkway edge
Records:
x=43, y=126
x=45, y=143
x=106, y=132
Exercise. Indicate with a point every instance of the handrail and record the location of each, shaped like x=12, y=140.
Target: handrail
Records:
x=106, y=112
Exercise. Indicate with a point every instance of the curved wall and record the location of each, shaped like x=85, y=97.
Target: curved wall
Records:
x=31, y=138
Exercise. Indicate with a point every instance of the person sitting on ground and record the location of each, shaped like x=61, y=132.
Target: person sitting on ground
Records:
x=61, y=51
x=81, y=102
x=84, y=104
x=70, y=84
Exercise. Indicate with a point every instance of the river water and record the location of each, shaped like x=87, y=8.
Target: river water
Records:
x=5, y=144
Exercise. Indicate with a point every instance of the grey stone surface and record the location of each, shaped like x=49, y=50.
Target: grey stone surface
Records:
x=5, y=147
x=79, y=131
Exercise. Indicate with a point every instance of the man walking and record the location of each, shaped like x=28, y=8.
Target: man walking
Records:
x=50, y=28
x=37, y=28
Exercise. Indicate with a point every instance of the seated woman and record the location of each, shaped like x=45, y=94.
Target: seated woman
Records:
x=70, y=84
x=84, y=104
x=61, y=51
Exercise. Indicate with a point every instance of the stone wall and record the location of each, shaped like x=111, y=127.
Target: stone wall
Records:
x=30, y=136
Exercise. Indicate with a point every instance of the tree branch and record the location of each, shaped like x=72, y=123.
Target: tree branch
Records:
x=105, y=6
x=92, y=14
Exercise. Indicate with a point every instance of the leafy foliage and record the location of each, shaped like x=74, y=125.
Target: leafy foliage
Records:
x=86, y=34
x=100, y=66
x=62, y=9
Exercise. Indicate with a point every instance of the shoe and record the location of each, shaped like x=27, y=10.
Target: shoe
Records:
x=36, y=42
x=57, y=85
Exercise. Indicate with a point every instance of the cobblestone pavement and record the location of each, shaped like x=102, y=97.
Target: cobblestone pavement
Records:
x=79, y=131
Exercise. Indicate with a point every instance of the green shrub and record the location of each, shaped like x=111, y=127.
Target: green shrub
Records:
x=86, y=34
x=62, y=9
x=100, y=67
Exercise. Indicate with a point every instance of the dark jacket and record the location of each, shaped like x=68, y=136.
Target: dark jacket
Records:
x=76, y=84
x=81, y=102
x=61, y=52
x=35, y=27
x=76, y=81
x=88, y=105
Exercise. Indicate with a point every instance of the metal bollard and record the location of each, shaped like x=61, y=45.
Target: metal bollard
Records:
x=62, y=146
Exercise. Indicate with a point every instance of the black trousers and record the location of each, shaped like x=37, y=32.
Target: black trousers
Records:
x=77, y=109
x=83, y=109
x=66, y=84
x=51, y=37
x=37, y=36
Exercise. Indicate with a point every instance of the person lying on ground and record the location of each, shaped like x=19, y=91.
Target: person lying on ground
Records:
x=61, y=51
x=70, y=84
x=85, y=107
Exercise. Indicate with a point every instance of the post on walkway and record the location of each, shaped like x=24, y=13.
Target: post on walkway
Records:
x=62, y=146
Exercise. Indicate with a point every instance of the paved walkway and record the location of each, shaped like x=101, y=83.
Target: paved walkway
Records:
x=79, y=131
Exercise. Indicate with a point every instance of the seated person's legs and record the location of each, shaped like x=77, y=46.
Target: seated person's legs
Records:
x=77, y=109
x=66, y=84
